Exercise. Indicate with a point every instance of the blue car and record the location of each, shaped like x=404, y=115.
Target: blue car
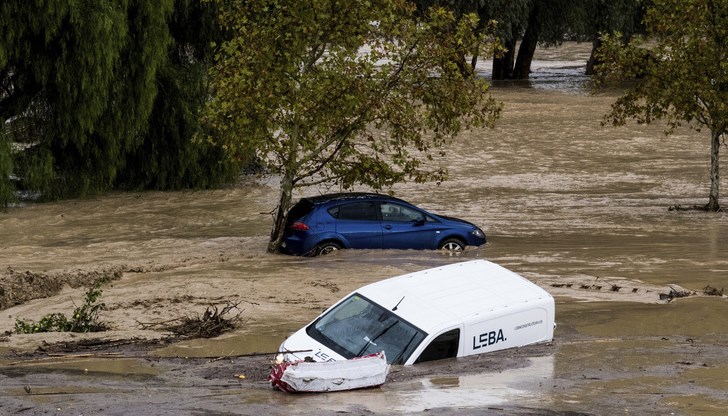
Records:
x=326, y=223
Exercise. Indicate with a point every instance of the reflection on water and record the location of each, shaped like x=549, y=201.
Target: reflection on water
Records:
x=224, y=346
x=528, y=386
x=107, y=368
x=559, y=69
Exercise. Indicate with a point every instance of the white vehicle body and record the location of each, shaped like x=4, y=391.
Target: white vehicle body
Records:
x=450, y=311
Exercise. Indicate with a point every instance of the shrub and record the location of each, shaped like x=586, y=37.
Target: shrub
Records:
x=85, y=318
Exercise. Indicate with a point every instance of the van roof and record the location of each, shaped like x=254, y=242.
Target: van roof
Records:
x=464, y=292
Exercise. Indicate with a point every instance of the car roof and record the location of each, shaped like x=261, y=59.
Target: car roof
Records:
x=460, y=293
x=322, y=199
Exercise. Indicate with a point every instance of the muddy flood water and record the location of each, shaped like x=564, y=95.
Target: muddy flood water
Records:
x=579, y=209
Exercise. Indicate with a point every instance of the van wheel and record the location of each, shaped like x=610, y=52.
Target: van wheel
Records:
x=452, y=246
x=327, y=247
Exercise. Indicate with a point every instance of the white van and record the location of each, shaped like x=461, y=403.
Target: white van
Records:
x=451, y=311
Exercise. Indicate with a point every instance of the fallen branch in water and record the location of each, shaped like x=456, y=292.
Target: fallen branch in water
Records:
x=211, y=323
x=257, y=354
x=711, y=291
x=675, y=294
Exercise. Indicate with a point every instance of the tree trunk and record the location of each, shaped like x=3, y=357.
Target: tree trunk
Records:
x=713, y=204
x=522, y=70
x=503, y=66
x=596, y=44
x=281, y=216
x=474, y=62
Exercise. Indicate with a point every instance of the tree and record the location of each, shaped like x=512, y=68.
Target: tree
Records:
x=338, y=92
x=534, y=22
x=105, y=95
x=167, y=157
x=7, y=188
x=547, y=25
x=593, y=18
x=487, y=25
x=78, y=82
x=682, y=73
x=509, y=18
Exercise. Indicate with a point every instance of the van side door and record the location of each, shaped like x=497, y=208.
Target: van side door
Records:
x=445, y=345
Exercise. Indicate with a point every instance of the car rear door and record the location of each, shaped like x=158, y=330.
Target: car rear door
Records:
x=358, y=223
x=407, y=228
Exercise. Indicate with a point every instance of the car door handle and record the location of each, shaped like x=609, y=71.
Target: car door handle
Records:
x=387, y=227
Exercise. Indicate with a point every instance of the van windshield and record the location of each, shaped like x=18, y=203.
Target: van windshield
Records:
x=358, y=327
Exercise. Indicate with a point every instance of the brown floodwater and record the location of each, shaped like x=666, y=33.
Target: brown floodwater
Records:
x=580, y=209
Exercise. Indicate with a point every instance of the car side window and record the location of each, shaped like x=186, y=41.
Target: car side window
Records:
x=365, y=211
x=401, y=213
x=444, y=346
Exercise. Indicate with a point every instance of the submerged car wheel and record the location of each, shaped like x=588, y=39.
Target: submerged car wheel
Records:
x=327, y=247
x=452, y=245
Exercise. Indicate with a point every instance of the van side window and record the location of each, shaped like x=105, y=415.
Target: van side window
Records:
x=444, y=346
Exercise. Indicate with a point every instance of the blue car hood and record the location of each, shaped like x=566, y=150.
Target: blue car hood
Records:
x=453, y=219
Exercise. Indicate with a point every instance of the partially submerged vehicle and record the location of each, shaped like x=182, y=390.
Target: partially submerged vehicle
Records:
x=327, y=223
x=451, y=311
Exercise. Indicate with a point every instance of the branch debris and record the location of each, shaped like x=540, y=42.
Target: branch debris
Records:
x=213, y=322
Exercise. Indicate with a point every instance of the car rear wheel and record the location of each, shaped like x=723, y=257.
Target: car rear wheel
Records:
x=327, y=247
x=452, y=245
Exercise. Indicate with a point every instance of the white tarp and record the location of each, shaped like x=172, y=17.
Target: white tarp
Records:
x=352, y=374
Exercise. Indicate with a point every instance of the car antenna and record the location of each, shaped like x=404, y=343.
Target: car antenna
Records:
x=397, y=305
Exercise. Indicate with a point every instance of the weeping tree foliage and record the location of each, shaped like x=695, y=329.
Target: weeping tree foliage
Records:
x=345, y=93
x=78, y=83
x=167, y=157
x=681, y=69
x=96, y=95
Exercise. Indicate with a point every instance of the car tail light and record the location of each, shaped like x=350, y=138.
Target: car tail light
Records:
x=299, y=226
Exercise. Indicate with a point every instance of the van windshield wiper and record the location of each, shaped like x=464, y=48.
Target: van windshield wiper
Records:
x=371, y=341
x=394, y=361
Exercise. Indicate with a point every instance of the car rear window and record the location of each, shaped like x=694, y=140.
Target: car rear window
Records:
x=300, y=210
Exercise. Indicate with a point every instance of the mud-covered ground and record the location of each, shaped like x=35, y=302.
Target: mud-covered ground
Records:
x=139, y=384
x=675, y=375
x=579, y=209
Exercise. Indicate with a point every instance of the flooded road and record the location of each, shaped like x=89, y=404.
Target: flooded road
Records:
x=580, y=209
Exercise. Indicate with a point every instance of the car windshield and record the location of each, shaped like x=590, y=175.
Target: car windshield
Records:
x=358, y=326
